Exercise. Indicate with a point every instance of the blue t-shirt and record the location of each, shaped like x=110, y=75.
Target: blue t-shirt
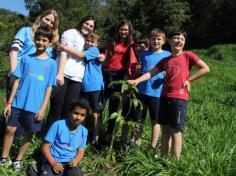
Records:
x=153, y=86
x=35, y=76
x=93, y=79
x=64, y=143
x=24, y=42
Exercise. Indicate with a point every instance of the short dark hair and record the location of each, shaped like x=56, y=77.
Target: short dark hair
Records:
x=81, y=102
x=44, y=31
x=178, y=32
x=144, y=40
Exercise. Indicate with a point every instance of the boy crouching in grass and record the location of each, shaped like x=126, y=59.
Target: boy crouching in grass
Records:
x=176, y=88
x=65, y=143
x=35, y=76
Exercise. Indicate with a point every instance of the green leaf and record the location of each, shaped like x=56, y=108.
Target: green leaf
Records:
x=114, y=115
x=105, y=112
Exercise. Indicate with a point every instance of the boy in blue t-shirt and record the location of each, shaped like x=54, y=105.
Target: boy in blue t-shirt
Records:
x=35, y=76
x=150, y=90
x=65, y=142
x=92, y=84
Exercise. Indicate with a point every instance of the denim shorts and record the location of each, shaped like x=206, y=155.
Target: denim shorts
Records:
x=173, y=112
x=26, y=119
x=150, y=103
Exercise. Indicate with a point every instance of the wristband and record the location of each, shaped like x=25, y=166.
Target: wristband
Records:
x=53, y=163
x=6, y=102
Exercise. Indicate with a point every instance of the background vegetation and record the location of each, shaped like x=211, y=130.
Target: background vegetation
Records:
x=209, y=137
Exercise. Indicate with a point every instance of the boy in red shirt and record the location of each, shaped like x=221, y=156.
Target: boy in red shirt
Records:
x=174, y=96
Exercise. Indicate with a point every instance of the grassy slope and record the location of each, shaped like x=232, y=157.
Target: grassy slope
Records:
x=209, y=137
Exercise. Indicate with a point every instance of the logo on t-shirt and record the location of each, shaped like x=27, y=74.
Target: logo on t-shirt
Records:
x=40, y=78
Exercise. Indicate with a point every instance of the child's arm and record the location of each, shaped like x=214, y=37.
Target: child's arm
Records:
x=60, y=72
x=72, y=51
x=79, y=156
x=57, y=167
x=101, y=57
x=7, y=109
x=40, y=115
x=144, y=77
x=13, y=59
x=202, y=70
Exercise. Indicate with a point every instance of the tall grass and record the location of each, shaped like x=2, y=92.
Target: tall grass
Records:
x=209, y=146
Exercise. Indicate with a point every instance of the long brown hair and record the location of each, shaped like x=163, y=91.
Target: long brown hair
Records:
x=117, y=39
x=37, y=22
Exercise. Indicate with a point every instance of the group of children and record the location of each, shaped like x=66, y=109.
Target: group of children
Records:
x=163, y=87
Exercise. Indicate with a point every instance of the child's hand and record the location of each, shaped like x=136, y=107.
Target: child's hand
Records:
x=187, y=85
x=7, y=110
x=101, y=57
x=133, y=82
x=40, y=115
x=60, y=79
x=73, y=163
x=58, y=168
x=62, y=46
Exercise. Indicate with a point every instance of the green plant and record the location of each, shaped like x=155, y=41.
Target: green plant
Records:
x=126, y=97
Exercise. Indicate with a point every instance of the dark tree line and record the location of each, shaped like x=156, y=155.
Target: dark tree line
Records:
x=207, y=22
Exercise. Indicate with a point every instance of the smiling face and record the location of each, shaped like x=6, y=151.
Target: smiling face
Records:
x=42, y=43
x=48, y=20
x=124, y=31
x=90, y=41
x=78, y=115
x=87, y=27
x=156, y=43
x=177, y=43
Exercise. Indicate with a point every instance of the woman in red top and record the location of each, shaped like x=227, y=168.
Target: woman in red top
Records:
x=119, y=59
x=119, y=55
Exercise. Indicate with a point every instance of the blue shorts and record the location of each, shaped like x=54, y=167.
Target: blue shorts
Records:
x=26, y=119
x=173, y=112
x=152, y=104
x=95, y=99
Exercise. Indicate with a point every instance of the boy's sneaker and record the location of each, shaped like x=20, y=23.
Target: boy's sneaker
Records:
x=17, y=165
x=5, y=162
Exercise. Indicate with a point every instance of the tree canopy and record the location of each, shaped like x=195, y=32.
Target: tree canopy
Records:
x=207, y=22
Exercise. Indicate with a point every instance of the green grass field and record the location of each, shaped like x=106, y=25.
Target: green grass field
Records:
x=209, y=146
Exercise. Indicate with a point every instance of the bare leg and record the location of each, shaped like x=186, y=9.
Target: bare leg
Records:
x=166, y=135
x=177, y=142
x=24, y=147
x=137, y=132
x=8, y=139
x=96, y=126
x=155, y=133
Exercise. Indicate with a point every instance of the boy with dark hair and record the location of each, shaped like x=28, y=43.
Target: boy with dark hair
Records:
x=35, y=76
x=142, y=44
x=175, y=92
x=65, y=142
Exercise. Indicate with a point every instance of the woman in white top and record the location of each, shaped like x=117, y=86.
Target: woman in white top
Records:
x=70, y=70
